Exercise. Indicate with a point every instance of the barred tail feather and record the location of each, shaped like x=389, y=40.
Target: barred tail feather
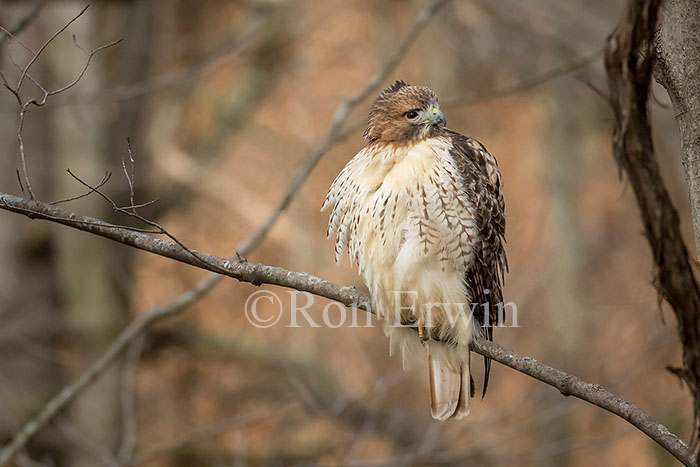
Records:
x=450, y=383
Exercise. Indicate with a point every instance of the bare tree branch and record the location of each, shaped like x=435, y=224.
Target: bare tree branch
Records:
x=628, y=61
x=104, y=180
x=129, y=174
x=16, y=90
x=43, y=47
x=258, y=274
x=131, y=212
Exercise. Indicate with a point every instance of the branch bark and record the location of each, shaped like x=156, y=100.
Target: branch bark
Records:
x=259, y=274
x=628, y=61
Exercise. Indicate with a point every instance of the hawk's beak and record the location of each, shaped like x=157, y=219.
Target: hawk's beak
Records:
x=437, y=117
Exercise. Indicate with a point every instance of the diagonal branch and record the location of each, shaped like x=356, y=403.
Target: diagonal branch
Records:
x=263, y=274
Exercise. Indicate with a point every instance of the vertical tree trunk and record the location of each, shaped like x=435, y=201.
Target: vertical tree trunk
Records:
x=677, y=44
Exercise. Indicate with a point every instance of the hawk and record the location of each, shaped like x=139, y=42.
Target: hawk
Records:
x=420, y=209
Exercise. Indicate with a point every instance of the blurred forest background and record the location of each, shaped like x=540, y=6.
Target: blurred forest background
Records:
x=222, y=101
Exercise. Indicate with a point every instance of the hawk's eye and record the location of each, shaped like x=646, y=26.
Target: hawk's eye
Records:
x=411, y=115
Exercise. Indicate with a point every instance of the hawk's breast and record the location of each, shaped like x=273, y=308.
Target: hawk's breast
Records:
x=399, y=208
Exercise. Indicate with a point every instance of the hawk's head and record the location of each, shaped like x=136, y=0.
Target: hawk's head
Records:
x=404, y=113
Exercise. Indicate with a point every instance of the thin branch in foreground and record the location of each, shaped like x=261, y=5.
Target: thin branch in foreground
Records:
x=258, y=274
x=105, y=179
x=131, y=212
x=19, y=180
x=43, y=47
x=129, y=174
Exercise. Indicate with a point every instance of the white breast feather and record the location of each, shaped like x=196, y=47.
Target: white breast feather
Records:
x=409, y=195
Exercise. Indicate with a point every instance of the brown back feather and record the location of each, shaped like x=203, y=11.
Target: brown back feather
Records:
x=484, y=279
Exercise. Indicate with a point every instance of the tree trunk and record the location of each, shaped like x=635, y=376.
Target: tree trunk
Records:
x=677, y=44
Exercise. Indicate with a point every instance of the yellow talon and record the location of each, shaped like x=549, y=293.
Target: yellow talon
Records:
x=421, y=333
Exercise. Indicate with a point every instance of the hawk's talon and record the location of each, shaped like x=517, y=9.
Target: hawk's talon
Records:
x=422, y=334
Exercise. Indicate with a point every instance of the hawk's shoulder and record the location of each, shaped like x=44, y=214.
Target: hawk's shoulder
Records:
x=482, y=180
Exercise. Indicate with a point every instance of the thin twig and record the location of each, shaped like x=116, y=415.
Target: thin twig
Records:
x=43, y=47
x=105, y=179
x=19, y=180
x=586, y=81
x=85, y=67
x=23, y=158
x=263, y=274
x=129, y=174
x=31, y=101
x=131, y=212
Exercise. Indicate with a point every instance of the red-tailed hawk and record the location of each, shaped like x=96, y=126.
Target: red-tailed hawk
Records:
x=421, y=211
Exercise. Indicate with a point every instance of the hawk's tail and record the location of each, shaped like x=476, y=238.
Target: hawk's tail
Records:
x=450, y=382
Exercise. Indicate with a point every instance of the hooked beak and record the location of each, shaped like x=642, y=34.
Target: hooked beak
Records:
x=437, y=117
